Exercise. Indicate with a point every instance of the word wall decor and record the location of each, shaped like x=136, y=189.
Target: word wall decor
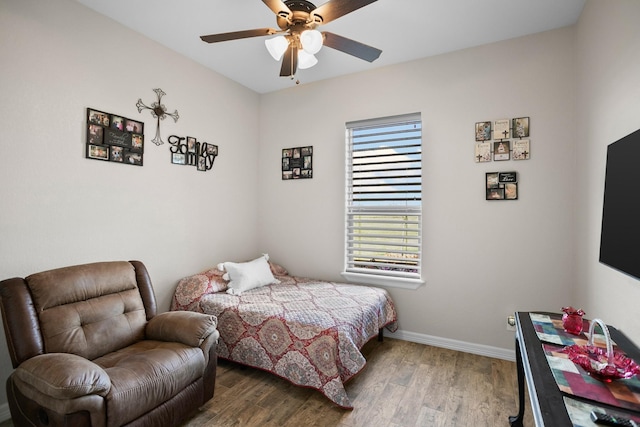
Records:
x=188, y=151
x=502, y=148
x=114, y=138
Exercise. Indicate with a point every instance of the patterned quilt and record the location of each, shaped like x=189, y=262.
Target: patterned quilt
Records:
x=306, y=331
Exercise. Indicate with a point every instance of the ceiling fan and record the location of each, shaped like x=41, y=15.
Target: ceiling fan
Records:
x=297, y=39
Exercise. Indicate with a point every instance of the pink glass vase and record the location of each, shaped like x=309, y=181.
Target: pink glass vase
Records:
x=572, y=320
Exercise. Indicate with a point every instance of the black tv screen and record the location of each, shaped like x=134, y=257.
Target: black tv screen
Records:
x=620, y=235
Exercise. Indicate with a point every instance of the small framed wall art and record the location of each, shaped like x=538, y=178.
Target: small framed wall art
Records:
x=501, y=150
x=297, y=162
x=520, y=127
x=501, y=185
x=483, y=131
x=114, y=138
x=483, y=152
x=521, y=149
x=501, y=130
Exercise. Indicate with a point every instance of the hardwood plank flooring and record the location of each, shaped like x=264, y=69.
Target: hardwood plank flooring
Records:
x=404, y=384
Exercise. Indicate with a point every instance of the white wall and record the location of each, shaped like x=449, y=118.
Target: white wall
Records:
x=483, y=259
x=608, y=67
x=58, y=208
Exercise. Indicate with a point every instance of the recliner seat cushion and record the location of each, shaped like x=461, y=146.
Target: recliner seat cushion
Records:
x=147, y=374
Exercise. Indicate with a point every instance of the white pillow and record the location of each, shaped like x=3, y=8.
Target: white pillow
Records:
x=248, y=275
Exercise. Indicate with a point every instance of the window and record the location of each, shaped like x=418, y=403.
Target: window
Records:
x=384, y=201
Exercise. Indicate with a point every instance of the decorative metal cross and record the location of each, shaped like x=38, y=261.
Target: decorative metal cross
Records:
x=159, y=111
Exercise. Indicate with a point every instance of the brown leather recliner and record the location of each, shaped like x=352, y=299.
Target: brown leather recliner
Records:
x=89, y=349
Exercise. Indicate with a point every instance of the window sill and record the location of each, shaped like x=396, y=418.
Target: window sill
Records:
x=386, y=281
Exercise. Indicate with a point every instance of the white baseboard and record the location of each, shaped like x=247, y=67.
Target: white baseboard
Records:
x=479, y=349
x=4, y=412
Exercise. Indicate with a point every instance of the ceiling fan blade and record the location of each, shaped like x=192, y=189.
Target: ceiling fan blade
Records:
x=289, y=61
x=352, y=47
x=223, y=37
x=334, y=9
x=278, y=7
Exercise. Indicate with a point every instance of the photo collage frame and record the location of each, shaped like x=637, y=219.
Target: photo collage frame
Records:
x=189, y=151
x=501, y=185
x=494, y=140
x=297, y=162
x=114, y=138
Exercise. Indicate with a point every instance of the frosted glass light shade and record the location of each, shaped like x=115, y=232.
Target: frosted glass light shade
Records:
x=306, y=60
x=311, y=41
x=277, y=46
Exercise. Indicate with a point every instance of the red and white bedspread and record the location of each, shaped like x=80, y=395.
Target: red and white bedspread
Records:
x=307, y=331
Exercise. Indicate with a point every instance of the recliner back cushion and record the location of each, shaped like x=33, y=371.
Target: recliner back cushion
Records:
x=90, y=309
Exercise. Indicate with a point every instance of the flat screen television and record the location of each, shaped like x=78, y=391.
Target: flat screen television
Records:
x=620, y=234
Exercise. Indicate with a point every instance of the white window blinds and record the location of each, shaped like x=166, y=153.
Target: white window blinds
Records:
x=384, y=197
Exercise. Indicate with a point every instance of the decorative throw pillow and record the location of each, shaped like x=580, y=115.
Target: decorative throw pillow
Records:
x=248, y=275
x=217, y=283
x=189, y=292
x=277, y=269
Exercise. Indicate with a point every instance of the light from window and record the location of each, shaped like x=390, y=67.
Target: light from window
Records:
x=384, y=197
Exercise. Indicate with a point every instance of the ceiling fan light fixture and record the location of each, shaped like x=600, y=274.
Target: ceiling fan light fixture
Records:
x=306, y=60
x=311, y=41
x=277, y=46
x=297, y=40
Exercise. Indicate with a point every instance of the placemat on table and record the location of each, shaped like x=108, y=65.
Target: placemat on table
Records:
x=580, y=412
x=572, y=379
x=550, y=330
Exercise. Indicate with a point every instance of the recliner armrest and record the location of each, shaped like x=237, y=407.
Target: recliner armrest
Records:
x=187, y=327
x=64, y=376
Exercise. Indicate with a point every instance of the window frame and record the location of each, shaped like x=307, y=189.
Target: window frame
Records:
x=397, y=277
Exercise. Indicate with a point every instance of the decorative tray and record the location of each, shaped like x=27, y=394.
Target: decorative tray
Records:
x=602, y=364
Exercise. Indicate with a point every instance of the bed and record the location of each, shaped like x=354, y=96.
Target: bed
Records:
x=307, y=331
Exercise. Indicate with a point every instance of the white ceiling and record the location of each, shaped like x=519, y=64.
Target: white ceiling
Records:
x=404, y=30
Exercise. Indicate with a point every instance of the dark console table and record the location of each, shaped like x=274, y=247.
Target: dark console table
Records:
x=547, y=401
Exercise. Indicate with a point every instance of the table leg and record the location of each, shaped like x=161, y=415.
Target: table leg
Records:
x=516, y=420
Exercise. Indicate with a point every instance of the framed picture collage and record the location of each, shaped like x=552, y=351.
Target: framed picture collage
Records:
x=502, y=140
x=114, y=138
x=502, y=185
x=297, y=162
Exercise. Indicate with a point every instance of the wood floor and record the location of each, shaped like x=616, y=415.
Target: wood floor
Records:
x=404, y=384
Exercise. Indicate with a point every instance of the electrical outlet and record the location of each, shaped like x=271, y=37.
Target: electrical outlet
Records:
x=511, y=323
